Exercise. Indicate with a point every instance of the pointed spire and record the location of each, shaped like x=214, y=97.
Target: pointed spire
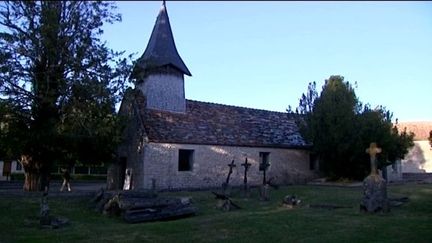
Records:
x=161, y=49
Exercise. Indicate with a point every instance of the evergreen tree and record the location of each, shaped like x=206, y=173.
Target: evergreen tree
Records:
x=60, y=80
x=341, y=128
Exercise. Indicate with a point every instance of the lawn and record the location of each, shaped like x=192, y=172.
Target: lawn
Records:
x=257, y=221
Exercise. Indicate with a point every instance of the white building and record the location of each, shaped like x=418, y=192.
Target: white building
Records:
x=419, y=158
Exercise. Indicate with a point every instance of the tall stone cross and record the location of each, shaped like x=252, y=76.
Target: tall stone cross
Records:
x=231, y=166
x=373, y=150
x=246, y=166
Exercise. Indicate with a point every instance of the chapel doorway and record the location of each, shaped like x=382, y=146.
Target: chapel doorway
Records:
x=122, y=171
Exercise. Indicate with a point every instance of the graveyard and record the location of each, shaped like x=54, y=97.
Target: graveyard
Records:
x=324, y=214
x=189, y=168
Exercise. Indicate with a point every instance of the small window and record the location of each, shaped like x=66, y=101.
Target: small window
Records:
x=185, y=160
x=264, y=159
x=18, y=166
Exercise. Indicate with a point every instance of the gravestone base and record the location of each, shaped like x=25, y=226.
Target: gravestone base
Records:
x=374, y=195
x=246, y=191
x=224, y=205
x=226, y=189
x=264, y=192
x=290, y=201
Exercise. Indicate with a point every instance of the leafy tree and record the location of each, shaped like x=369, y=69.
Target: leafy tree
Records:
x=340, y=128
x=11, y=129
x=60, y=81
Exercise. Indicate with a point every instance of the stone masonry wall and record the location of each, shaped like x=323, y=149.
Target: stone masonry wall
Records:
x=210, y=166
x=164, y=92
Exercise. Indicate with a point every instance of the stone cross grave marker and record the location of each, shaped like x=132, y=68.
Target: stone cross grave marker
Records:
x=225, y=185
x=374, y=186
x=246, y=166
x=373, y=150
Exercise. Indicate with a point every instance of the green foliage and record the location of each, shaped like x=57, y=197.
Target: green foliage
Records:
x=60, y=80
x=376, y=126
x=12, y=128
x=341, y=128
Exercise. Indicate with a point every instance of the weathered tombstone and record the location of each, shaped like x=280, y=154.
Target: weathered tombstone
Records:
x=272, y=184
x=290, y=201
x=246, y=166
x=112, y=207
x=374, y=186
x=225, y=203
x=225, y=186
x=46, y=220
x=264, y=189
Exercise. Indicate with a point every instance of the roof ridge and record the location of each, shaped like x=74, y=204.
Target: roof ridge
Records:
x=237, y=107
x=414, y=122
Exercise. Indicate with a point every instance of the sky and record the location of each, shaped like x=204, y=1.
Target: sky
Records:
x=263, y=54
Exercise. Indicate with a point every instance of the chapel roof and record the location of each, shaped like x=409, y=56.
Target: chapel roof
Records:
x=421, y=129
x=161, y=49
x=216, y=124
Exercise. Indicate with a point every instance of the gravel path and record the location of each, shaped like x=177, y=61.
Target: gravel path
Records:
x=79, y=189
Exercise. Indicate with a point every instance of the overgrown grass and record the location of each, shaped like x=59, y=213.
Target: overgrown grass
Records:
x=258, y=221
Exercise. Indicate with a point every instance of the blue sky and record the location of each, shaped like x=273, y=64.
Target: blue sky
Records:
x=263, y=54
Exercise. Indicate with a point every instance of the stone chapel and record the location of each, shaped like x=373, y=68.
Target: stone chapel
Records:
x=171, y=142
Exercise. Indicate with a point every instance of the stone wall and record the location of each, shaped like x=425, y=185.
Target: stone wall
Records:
x=210, y=165
x=130, y=151
x=418, y=159
x=164, y=91
x=393, y=171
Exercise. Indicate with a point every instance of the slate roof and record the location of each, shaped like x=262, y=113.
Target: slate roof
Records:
x=216, y=124
x=161, y=50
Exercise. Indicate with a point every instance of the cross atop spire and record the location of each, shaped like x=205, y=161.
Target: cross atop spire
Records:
x=161, y=50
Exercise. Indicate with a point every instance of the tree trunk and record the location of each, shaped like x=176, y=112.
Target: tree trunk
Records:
x=31, y=173
x=31, y=181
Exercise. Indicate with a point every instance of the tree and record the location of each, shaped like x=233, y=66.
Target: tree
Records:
x=340, y=128
x=330, y=124
x=60, y=80
x=375, y=125
x=306, y=102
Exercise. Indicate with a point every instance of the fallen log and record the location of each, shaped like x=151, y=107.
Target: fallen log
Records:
x=142, y=206
x=159, y=213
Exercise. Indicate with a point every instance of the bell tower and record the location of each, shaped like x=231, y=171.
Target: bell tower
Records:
x=160, y=71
